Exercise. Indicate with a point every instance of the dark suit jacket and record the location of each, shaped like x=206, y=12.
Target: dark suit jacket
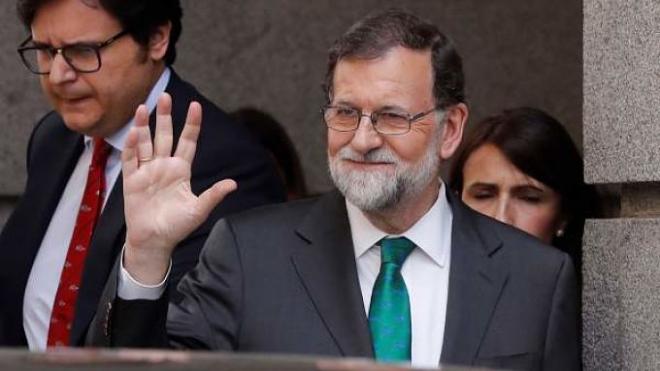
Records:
x=283, y=279
x=225, y=150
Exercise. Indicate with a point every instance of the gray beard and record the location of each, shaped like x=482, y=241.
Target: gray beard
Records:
x=382, y=190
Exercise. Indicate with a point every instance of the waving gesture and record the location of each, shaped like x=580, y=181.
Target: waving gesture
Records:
x=160, y=207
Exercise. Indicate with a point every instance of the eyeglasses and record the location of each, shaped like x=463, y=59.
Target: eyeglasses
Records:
x=384, y=122
x=82, y=57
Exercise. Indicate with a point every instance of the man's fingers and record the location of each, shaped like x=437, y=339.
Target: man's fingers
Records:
x=212, y=196
x=144, y=146
x=129, y=162
x=163, y=138
x=187, y=145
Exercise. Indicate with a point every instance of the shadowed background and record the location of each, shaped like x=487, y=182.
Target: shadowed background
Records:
x=271, y=54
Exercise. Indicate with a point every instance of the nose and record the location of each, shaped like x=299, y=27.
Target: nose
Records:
x=366, y=138
x=503, y=212
x=60, y=70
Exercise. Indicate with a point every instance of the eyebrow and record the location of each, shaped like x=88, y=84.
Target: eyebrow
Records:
x=528, y=186
x=80, y=42
x=482, y=184
x=344, y=103
x=494, y=185
x=389, y=107
x=392, y=107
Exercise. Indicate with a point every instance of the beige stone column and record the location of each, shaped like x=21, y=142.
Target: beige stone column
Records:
x=621, y=293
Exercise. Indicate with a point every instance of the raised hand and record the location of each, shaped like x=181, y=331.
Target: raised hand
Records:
x=160, y=207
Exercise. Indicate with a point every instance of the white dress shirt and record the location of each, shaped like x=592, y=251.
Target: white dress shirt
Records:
x=47, y=266
x=425, y=271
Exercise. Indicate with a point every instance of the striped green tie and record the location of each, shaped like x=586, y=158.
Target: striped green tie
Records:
x=389, y=312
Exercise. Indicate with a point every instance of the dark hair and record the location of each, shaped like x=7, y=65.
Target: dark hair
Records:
x=375, y=35
x=539, y=146
x=140, y=18
x=270, y=133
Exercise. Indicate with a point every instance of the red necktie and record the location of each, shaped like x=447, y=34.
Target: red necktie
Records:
x=64, y=305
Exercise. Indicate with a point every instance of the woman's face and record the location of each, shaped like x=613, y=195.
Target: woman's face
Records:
x=493, y=186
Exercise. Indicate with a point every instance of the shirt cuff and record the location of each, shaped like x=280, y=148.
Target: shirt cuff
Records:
x=129, y=288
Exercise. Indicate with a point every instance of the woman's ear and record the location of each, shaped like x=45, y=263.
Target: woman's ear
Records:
x=561, y=228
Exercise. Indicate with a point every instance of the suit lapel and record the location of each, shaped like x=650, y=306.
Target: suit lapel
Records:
x=43, y=200
x=48, y=175
x=475, y=284
x=327, y=270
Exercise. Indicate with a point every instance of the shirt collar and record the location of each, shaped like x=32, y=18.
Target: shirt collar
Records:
x=431, y=233
x=118, y=139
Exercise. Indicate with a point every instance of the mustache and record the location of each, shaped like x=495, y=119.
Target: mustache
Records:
x=376, y=155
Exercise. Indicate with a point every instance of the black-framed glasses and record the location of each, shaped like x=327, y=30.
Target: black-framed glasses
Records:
x=82, y=57
x=342, y=118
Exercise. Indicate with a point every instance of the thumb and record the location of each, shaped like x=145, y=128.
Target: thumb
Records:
x=212, y=196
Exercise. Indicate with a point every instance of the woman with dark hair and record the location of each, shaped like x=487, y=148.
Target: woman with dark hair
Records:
x=522, y=168
x=271, y=134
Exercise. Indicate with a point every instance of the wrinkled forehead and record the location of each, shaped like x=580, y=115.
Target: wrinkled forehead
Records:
x=400, y=73
x=59, y=22
x=47, y=4
x=94, y=4
x=396, y=54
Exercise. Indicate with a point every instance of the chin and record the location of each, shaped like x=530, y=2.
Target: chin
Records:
x=82, y=124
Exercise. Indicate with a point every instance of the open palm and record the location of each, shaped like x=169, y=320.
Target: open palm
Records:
x=160, y=207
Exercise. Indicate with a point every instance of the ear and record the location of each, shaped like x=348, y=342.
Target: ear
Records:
x=159, y=41
x=452, y=130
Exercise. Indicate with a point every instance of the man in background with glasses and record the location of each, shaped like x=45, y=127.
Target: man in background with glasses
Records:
x=97, y=61
x=392, y=266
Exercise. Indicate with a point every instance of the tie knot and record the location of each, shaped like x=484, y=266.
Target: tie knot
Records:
x=395, y=250
x=100, y=153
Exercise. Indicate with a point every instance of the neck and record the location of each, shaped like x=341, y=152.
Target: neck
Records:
x=139, y=97
x=151, y=80
x=400, y=217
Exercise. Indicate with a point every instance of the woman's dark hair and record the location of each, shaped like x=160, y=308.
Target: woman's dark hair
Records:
x=539, y=146
x=270, y=133
x=141, y=18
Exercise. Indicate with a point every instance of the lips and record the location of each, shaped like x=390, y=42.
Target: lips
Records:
x=73, y=101
x=69, y=95
x=369, y=162
x=368, y=165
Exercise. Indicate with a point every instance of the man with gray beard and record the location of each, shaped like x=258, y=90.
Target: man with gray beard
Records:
x=391, y=267
x=372, y=191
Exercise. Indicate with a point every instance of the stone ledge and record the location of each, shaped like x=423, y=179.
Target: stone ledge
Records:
x=640, y=200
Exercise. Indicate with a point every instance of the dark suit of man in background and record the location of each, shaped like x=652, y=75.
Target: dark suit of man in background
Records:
x=391, y=266
x=98, y=61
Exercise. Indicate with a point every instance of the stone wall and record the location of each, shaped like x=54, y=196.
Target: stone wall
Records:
x=621, y=293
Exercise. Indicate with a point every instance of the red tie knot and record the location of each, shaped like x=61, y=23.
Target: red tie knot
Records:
x=101, y=152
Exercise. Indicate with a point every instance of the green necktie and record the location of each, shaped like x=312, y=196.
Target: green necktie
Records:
x=389, y=312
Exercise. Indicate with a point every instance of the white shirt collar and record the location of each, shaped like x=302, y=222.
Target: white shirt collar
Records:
x=118, y=139
x=431, y=233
